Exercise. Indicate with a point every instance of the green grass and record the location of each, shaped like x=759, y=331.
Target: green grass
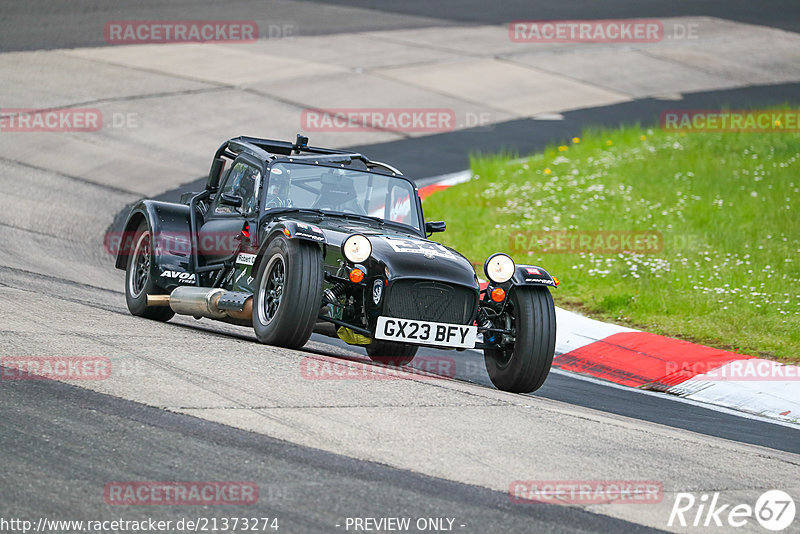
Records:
x=726, y=205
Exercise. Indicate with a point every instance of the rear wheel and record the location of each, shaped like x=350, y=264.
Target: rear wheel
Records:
x=391, y=353
x=139, y=278
x=523, y=366
x=288, y=294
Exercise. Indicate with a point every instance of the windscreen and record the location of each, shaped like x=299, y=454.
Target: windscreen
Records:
x=297, y=185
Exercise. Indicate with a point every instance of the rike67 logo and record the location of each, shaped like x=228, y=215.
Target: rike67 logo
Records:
x=774, y=510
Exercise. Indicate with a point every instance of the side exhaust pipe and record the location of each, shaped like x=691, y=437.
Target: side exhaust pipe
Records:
x=196, y=301
x=214, y=303
x=158, y=300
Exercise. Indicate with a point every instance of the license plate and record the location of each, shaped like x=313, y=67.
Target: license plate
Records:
x=427, y=333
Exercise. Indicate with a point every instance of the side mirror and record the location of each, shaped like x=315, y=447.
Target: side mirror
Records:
x=231, y=200
x=214, y=174
x=435, y=226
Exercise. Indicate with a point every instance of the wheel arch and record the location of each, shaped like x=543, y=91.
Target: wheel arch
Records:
x=532, y=275
x=170, y=230
x=295, y=232
x=125, y=243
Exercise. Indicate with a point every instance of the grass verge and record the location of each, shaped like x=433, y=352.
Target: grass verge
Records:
x=723, y=207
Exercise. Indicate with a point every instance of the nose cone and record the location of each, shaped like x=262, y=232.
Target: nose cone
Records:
x=407, y=257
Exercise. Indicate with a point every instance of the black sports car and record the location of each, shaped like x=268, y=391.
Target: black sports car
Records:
x=290, y=238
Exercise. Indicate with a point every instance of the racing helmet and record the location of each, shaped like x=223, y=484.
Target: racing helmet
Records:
x=280, y=182
x=279, y=188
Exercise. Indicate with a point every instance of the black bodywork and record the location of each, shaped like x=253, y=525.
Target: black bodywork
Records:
x=196, y=244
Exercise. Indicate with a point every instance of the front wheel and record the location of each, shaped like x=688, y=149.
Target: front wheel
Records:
x=288, y=294
x=523, y=366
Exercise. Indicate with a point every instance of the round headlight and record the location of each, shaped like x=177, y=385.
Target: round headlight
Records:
x=357, y=248
x=499, y=268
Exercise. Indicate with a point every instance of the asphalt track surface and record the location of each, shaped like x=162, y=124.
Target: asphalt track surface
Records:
x=67, y=442
x=44, y=24
x=783, y=14
x=646, y=406
x=60, y=443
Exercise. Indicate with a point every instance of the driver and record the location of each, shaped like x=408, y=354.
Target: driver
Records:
x=247, y=189
x=338, y=192
x=278, y=189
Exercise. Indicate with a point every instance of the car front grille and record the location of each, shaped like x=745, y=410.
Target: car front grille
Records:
x=426, y=300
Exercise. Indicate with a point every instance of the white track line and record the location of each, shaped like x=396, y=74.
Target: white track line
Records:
x=661, y=395
x=714, y=407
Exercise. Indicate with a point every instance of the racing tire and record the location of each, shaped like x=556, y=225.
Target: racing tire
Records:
x=523, y=367
x=288, y=293
x=139, y=278
x=391, y=353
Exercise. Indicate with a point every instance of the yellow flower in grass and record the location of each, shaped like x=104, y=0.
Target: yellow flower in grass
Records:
x=576, y=140
x=642, y=137
x=548, y=171
x=609, y=142
x=562, y=148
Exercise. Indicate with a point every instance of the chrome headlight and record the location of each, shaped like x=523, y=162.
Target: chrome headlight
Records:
x=499, y=268
x=357, y=248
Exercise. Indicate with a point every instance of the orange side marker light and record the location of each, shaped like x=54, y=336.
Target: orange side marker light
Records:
x=498, y=294
x=356, y=276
